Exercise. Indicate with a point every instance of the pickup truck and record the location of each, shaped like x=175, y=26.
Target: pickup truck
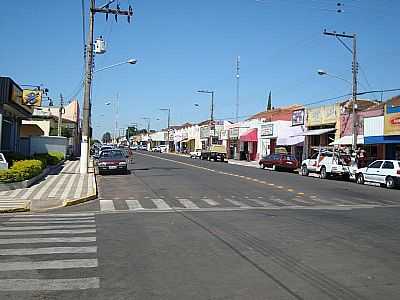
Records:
x=215, y=152
x=195, y=154
x=327, y=163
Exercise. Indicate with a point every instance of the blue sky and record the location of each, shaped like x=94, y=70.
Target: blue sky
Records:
x=183, y=46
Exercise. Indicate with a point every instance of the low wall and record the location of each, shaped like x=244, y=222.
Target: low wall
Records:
x=45, y=144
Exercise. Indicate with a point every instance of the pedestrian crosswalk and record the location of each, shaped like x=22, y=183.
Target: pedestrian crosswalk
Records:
x=51, y=192
x=147, y=204
x=37, y=250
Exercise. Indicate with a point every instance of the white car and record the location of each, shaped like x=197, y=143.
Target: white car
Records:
x=163, y=148
x=328, y=163
x=385, y=172
x=195, y=154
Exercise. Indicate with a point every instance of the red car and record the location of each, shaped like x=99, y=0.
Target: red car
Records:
x=279, y=161
x=113, y=160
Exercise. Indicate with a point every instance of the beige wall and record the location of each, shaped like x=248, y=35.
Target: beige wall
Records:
x=43, y=124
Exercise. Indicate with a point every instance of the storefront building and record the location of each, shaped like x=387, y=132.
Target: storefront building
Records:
x=383, y=132
x=12, y=112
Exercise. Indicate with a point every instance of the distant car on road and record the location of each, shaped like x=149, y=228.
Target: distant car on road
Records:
x=163, y=148
x=156, y=149
x=214, y=152
x=279, y=161
x=134, y=147
x=195, y=154
x=112, y=161
x=384, y=172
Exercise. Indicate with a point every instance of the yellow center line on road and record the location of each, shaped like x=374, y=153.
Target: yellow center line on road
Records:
x=223, y=173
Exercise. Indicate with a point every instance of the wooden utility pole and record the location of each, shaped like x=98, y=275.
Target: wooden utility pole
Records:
x=105, y=9
x=61, y=111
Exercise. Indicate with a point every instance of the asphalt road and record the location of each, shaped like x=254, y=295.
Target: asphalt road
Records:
x=176, y=228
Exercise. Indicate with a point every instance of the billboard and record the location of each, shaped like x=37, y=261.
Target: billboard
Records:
x=267, y=130
x=322, y=115
x=32, y=97
x=392, y=118
x=298, y=117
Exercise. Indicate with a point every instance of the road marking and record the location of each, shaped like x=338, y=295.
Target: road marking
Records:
x=79, y=189
x=133, y=204
x=48, y=250
x=262, y=203
x=237, y=203
x=45, y=227
x=187, y=203
x=49, y=264
x=47, y=232
x=160, y=204
x=68, y=187
x=290, y=190
x=71, y=220
x=107, y=205
x=49, y=284
x=56, y=215
x=300, y=194
x=48, y=222
x=48, y=240
x=210, y=202
x=58, y=186
x=29, y=191
x=14, y=193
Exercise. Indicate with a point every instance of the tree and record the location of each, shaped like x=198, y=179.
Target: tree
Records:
x=106, y=138
x=269, y=104
x=131, y=131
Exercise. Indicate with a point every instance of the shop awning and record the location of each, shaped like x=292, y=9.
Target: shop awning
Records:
x=289, y=141
x=316, y=131
x=348, y=140
x=249, y=136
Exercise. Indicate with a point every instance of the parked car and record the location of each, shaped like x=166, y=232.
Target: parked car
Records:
x=3, y=162
x=163, y=148
x=113, y=160
x=215, y=152
x=156, y=149
x=195, y=154
x=142, y=147
x=385, y=172
x=279, y=161
x=134, y=147
x=327, y=163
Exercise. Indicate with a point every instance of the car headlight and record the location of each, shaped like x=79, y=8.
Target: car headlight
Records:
x=122, y=163
x=102, y=164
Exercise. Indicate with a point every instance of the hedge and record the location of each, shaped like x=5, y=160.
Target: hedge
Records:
x=51, y=158
x=22, y=170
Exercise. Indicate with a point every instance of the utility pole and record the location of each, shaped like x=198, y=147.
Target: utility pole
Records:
x=237, y=87
x=61, y=111
x=354, y=83
x=116, y=109
x=105, y=9
x=168, y=123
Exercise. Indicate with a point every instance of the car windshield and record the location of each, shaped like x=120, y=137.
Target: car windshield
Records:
x=290, y=157
x=114, y=154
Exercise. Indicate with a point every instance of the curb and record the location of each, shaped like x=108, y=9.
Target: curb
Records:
x=16, y=209
x=83, y=199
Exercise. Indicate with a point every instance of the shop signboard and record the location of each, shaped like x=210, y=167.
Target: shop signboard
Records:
x=392, y=118
x=321, y=115
x=267, y=130
x=16, y=95
x=298, y=117
x=204, y=132
x=223, y=134
x=234, y=133
x=32, y=97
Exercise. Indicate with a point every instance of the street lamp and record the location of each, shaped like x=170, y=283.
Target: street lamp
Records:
x=324, y=73
x=131, y=61
x=169, y=120
x=84, y=160
x=212, y=101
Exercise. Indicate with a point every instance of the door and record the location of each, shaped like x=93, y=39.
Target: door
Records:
x=312, y=166
x=386, y=170
x=373, y=171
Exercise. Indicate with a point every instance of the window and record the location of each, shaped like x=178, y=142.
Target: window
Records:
x=376, y=164
x=388, y=165
x=314, y=156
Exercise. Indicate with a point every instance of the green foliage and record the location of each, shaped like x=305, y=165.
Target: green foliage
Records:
x=51, y=158
x=106, y=137
x=21, y=170
x=12, y=157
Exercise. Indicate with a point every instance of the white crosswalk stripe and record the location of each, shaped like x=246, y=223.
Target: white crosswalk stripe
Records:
x=210, y=202
x=160, y=204
x=59, y=184
x=187, y=203
x=262, y=203
x=133, y=204
x=68, y=246
x=107, y=205
x=237, y=203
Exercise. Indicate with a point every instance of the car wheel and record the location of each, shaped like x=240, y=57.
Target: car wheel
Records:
x=262, y=166
x=390, y=184
x=273, y=168
x=323, y=173
x=304, y=170
x=360, y=179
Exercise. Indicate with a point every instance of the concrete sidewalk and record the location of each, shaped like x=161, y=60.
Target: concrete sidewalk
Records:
x=245, y=163
x=60, y=188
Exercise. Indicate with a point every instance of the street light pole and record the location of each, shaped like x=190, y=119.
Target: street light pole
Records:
x=168, y=124
x=212, y=101
x=354, y=82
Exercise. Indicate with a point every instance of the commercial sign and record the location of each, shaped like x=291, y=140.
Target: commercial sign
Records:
x=322, y=115
x=234, y=133
x=267, y=130
x=298, y=117
x=223, y=135
x=32, y=97
x=204, y=132
x=16, y=94
x=392, y=118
